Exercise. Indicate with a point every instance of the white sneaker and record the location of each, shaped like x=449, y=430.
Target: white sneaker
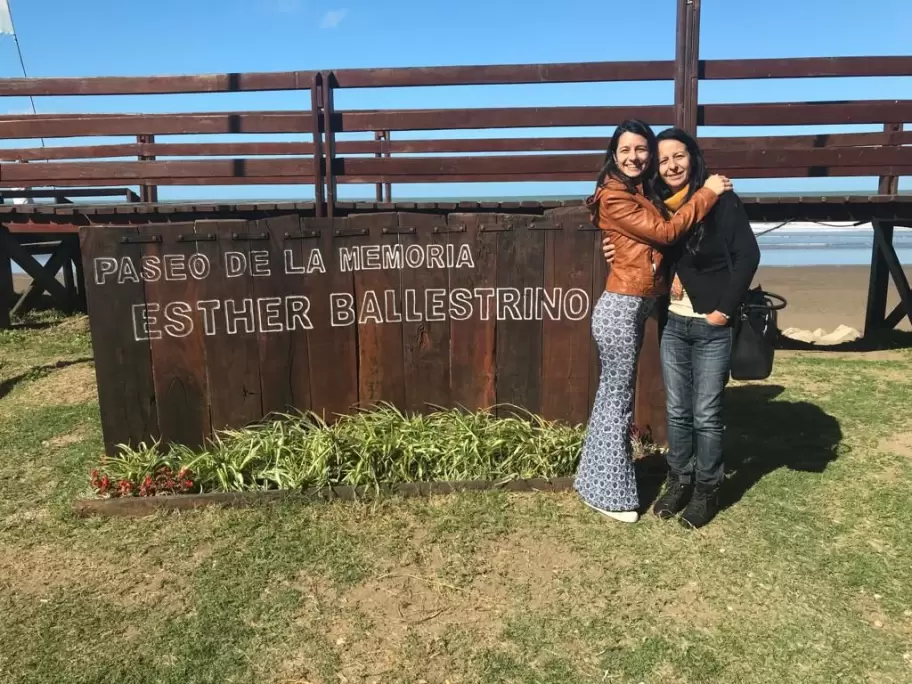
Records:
x=622, y=516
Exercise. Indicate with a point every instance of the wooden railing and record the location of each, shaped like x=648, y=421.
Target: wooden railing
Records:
x=383, y=161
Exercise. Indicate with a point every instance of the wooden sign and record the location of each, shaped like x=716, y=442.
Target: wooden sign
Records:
x=215, y=324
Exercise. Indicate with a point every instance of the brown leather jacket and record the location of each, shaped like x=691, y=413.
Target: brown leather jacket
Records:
x=639, y=232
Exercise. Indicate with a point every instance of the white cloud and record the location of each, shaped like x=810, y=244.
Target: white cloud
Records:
x=333, y=18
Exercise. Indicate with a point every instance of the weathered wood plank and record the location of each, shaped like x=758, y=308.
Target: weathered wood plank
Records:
x=123, y=359
x=520, y=267
x=283, y=333
x=805, y=113
x=232, y=351
x=505, y=74
x=472, y=364
x=565, y=341
x=156, y=85
x=805, y=67
x=649, y=408
x=504, y=117
x=178, y=355
x=80, y=125
x=445, y=146
x=381, y=372
x=155, y=170
x=333, y=348
x=426, y=342
x=7, y=292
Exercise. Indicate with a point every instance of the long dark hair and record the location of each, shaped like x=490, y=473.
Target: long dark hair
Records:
x=610, y=167
x=695, y=180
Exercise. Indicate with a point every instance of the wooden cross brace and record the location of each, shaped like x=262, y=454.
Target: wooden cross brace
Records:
x=44, y=278
x=884, y=265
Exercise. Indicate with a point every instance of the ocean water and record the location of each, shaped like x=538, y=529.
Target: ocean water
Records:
x=810, y=244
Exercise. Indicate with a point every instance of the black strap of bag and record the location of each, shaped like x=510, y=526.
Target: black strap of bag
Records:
x=754, y=331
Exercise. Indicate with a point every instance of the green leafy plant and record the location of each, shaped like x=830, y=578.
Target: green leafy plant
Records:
x=371, y=447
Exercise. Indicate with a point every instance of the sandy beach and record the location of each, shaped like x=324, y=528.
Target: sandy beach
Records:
x=824, y=296
x=818, y=296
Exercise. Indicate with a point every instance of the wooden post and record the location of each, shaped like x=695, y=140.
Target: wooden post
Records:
x=329, y=145
x=147, y=191
x=879, y=281
x=385, y=145
x=692, y=68
x=687, y=65
x=680, y=74
x=378, y=137
x=316, y=112
x=7, y=293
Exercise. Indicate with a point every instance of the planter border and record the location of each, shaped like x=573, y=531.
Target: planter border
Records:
x=137, y=507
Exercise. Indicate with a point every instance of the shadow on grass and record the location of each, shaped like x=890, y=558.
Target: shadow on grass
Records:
x=763, y=435
x=651, y=471
x=8, y=385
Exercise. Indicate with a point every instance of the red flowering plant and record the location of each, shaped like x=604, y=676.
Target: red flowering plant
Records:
x=141, y=472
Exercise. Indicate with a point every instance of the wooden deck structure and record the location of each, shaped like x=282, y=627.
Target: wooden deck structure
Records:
x=534, y=244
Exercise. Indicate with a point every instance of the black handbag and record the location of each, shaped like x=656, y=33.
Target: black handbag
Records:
x=755, y=331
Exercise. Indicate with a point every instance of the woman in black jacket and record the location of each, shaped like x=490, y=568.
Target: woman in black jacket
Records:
x=714, y=266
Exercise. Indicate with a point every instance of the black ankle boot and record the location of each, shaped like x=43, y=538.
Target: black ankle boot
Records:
x=702, y=507
x=675, y=498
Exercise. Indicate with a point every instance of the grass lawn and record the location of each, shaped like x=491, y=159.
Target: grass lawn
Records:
x=806, y=577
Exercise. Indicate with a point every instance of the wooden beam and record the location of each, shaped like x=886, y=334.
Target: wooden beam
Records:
x=506, y=74
x=584, y=72
x=157, y=85
x=79, y=125
x=502, y=117
x=544, y=144
x=885, y=242
x=318, y=119
x=805, y=113
x=809, y=67
x=691, y=71
x=680, y=69
x=329, y=140
x=7, y=292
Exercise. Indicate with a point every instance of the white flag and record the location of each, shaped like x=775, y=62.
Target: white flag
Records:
x=6, y=19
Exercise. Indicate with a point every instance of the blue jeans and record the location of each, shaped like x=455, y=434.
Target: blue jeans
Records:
x=695, y=366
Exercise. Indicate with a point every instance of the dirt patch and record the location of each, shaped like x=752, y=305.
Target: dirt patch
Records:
x=899, y=444
x=76, y=324
x=869, y=606
x=62, y=387
x=44, y=571
x=65, y=440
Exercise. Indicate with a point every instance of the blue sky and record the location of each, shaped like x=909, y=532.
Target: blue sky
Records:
x=103, y=37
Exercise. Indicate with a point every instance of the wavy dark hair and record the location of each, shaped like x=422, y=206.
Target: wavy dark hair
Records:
x=695, y=180
x=610, y=167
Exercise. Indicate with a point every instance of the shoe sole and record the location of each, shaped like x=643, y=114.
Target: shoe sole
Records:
x=613, y=514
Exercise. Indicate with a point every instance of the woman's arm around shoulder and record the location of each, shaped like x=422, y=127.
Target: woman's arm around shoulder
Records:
x=624, y=212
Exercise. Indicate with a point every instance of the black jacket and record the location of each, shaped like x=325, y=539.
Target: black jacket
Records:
x=706, y=276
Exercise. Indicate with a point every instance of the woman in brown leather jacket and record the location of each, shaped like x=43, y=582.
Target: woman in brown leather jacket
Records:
x=623, y=208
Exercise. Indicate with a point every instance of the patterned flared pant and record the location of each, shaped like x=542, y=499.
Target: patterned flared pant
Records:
x=605, y=478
